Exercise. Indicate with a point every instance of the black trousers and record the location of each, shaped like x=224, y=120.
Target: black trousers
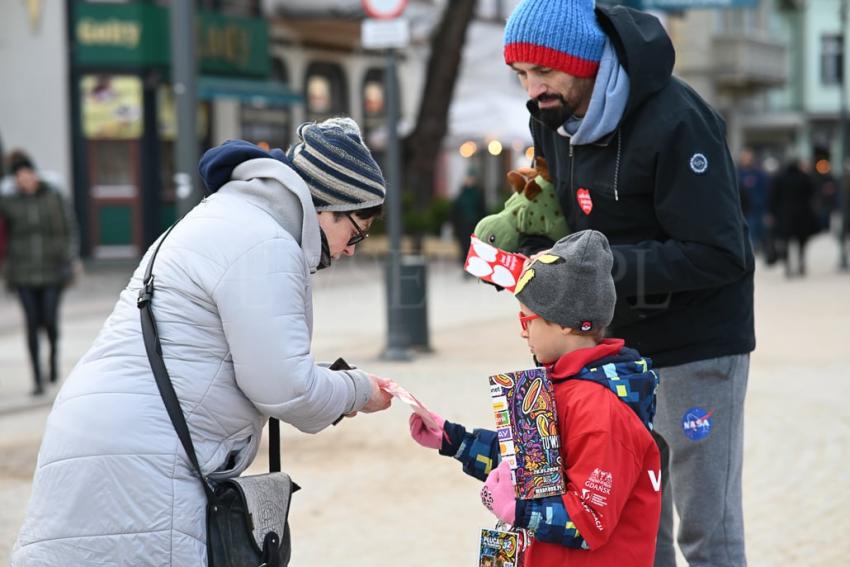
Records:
x=41, y=311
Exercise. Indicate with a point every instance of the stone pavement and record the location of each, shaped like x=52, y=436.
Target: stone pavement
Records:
x=372, y=497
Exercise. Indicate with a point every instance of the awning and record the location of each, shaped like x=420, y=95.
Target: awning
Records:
x=247, y=90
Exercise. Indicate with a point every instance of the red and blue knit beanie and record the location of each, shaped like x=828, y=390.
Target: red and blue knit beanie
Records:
x=558, y=34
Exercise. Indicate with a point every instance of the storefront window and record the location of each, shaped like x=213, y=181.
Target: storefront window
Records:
x=375, y=112
x=326, y=93
x=111, y=112
x=111, y=107
x=374, y=104
x=268, y=125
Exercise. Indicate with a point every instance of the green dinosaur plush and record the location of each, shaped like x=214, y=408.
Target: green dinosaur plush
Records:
x=532, y=210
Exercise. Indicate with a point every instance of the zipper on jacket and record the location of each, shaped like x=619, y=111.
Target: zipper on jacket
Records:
x=572, y=166
x=617, y=165
x=35, y=220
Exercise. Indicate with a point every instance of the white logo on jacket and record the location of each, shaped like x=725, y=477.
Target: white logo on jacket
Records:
x=699, y=163
x=655, y=479
x=600, y=481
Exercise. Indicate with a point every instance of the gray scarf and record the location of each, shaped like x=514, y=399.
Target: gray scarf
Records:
x=607, y=103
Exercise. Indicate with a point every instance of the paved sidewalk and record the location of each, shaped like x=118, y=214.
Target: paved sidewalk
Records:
x=372, y=497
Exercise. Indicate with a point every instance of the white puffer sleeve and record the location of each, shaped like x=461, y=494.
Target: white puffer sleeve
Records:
x=262, y=300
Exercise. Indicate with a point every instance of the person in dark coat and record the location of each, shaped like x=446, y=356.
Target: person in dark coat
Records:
x=41, y=258
x=467, y=209
x=638, y=155
x=753, y=182
x=791, y=207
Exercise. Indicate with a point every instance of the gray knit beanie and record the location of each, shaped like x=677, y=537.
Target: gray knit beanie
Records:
x=572, y=285
x=338, y=168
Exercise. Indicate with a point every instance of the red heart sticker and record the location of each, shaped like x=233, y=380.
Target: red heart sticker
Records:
x=584, y=200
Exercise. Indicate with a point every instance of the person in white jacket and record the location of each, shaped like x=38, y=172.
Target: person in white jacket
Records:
x=233, y=306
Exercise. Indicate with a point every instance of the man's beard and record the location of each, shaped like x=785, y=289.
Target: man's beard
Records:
x=554, y=116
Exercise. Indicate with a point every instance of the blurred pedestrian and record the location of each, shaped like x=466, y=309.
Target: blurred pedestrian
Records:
x=467, y=209
x=3, y=231
x=639, y=156
x=825, y=204
x=233, y=307
x=843, y=222
x=41, y=259
x=753, y=182
x=793, y=217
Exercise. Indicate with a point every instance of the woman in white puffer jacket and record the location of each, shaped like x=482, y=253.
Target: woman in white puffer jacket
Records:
x=233, y=307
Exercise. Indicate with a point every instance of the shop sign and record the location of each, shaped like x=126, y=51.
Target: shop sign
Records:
x=677, y=5
x=137, y=35
x=120, y=35
x=228, y=45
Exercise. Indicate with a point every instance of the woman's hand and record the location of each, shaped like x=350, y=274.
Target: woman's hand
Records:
x=380, y=399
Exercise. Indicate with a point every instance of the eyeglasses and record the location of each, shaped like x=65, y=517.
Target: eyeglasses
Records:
x=360, y=236
x=524, y=319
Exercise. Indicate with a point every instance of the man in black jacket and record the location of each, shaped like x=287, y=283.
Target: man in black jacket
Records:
x=637, y=155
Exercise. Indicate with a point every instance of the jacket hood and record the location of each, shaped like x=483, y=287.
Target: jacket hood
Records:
x=620, y=369
x=643, y=47
x=630, y=377
x=275, y=188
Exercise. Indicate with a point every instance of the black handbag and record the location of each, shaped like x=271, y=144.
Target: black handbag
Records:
x=247, y=517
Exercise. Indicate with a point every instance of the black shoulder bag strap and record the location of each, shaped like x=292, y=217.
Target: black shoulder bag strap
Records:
x=166, y=389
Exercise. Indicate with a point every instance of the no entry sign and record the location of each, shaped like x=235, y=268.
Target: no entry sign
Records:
x=384, y=9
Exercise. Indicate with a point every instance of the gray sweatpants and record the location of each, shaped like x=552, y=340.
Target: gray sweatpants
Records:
x=700, y=415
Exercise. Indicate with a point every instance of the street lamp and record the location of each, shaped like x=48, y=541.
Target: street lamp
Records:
x=842, y=170
x=183, y=78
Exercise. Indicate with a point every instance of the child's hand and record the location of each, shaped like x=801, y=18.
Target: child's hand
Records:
x=424, y=435
x=499, y=495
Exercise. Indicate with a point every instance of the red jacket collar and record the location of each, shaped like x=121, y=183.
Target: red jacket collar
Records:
x=570, y=363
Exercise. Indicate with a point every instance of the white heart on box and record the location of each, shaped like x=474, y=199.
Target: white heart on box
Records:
x=503, y=277
x=485, y=251
x=478, y=267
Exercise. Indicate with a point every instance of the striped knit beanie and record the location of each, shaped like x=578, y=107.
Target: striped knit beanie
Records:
x=338, y=168
x=558, y=34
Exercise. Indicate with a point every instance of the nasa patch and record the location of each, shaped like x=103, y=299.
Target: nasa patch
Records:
x=696, y=423
x=699, y=163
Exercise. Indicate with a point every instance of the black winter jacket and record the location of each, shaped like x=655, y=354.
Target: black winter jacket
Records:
x=663, y=188
x=42, y=238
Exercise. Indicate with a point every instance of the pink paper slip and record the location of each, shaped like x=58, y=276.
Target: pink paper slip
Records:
x=395, y=390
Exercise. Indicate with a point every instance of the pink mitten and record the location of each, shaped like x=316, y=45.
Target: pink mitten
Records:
x=424, y=435
x=499, y=495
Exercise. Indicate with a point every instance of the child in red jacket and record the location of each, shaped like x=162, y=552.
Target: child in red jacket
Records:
x=605, y=401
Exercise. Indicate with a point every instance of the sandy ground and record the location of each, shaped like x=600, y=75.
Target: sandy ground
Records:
x=372, y=497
